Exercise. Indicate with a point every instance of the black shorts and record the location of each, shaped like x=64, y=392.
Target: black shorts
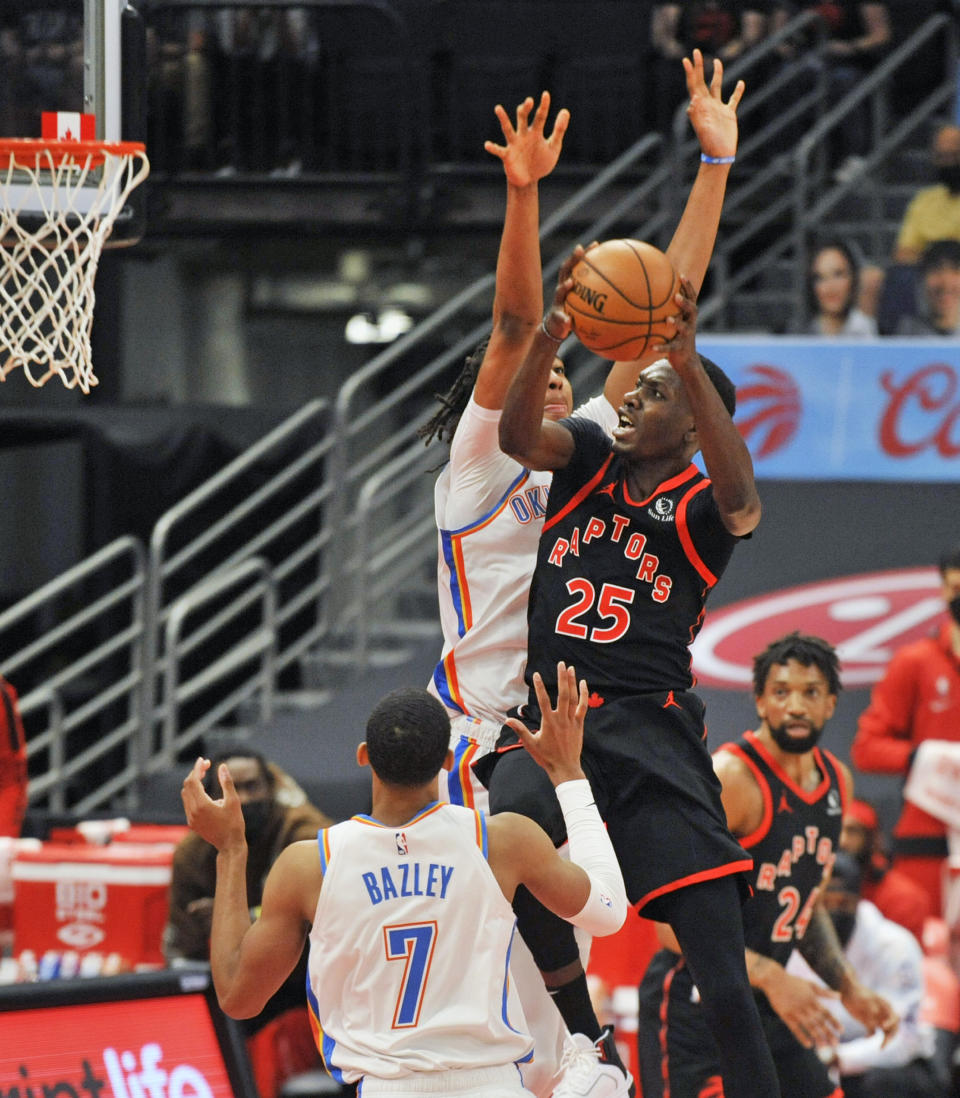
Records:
x=648, y=763
x=678, y=1054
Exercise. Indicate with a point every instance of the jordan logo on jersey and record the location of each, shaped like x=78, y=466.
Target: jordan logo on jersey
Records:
x=784, y=805
x=607, y=489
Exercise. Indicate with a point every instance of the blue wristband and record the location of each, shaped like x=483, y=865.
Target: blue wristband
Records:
x=717, y=159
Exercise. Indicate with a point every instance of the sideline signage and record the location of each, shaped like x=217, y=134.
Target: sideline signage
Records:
x=811, y=409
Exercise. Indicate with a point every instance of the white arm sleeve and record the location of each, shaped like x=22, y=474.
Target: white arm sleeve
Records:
x=591, y=849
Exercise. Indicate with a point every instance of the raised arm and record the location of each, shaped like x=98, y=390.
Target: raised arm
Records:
x=525, y=435
x=249, y=961
x=528, y=155
x=691, y=248
x=725, y=454
x=715, y=124
x=588, y=889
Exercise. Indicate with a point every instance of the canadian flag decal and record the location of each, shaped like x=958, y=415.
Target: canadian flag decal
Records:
x=68, y=126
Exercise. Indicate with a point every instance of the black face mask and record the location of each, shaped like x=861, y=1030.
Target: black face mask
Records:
x=949, y=176
x=843, y=924
x=255, y=816
x=954, y=607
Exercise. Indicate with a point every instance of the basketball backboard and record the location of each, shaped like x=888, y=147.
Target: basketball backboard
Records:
x=83, y=56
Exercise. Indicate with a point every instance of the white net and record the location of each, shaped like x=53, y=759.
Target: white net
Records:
x=48, y=260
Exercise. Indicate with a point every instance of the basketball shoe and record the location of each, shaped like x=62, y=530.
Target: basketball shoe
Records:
x=594, y=1069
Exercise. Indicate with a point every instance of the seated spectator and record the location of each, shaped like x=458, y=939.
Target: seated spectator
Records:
x=280, y=1041
x=889, y=960
x=937, y=298
x=857, y=36
x=833, y=289
x=718, y=28
x=934, y=212
x=897, y=896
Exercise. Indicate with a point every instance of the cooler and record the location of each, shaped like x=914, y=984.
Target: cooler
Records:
x=88, y=898
x=169, y=834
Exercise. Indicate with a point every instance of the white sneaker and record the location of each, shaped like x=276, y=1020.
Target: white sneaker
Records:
x=593, y=1070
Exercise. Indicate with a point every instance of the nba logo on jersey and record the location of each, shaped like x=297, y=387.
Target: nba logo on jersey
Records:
x=401, y=843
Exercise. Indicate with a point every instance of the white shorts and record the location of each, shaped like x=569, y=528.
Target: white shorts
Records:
x=470, y=739
x=490, y=1082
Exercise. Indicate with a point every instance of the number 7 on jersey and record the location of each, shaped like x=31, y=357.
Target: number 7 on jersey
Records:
x=412, y=943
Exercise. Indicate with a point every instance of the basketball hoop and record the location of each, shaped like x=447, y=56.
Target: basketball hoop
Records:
x=48, y=261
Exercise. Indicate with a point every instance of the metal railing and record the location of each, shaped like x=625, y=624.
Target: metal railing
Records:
x=80, y=675
x=812, y=205
x=218, y=683
x=133, y=655
x=269, y=503
x=264, y=85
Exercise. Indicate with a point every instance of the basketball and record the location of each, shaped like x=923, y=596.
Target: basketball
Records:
x=622, y=293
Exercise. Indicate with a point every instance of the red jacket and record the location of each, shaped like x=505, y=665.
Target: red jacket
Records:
x=917, y=699
x=13, y=763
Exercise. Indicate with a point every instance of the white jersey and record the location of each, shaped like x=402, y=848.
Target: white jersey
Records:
x=409, y=950
x=489, y=512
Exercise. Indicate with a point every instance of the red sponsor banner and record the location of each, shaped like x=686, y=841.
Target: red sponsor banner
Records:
x=165, y=1048
x=866, y=617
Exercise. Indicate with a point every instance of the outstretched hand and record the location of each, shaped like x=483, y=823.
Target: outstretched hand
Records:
x=219, y=821
x=529, y=154
x=556, y=746
x=802, y=1006
x=713, y=121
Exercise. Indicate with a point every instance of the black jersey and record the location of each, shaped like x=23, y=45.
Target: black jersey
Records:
x=792, y=848
x=620, y=584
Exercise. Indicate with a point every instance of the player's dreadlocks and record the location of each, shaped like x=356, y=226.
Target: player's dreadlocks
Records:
x=443, y=424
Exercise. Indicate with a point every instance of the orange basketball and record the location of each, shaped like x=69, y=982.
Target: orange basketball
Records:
x=622, y=292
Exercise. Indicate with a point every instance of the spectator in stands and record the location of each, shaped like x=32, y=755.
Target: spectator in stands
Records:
x=13, y=763
x=888, y=959
x=279, y=1039
x=934, y=212
x=917, y=699
x=718, y=28
x=46, y=64
x=180, y=89
x=833, y=289
x=897, y=896
x=857, y=35
x=936, y=297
